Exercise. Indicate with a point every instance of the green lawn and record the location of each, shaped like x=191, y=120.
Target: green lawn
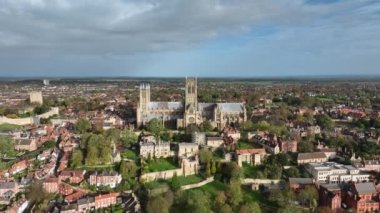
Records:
x=161, y=164
x=251, y=171
x=212, y=188
x=189, y=179
x=248, y=145
x=130, y=154
x=8, y=127
x=156, y=184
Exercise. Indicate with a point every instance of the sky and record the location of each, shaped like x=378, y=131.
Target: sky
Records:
x=176, y=38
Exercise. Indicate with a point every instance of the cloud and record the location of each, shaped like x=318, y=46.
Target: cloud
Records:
x=97, y=31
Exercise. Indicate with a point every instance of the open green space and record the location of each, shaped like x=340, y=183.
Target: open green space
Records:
x=248, y=145
x=251, y=171
x=6, y=127
x=161, y=164
x=186, y=180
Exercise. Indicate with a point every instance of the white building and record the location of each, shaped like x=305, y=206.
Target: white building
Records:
x=187, y=149
x=331, y=172
x=199, y=138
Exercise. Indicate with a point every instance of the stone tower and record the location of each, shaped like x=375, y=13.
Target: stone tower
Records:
x=191, y=101
x=35, y=97
x=144, y=101
x=144, y=96
x=191, y=92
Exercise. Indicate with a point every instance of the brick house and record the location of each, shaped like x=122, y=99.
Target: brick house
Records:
x=105, y=200
x=288, y=145
x=363, y=197
x=26, y=144
x=105, y=179
x=8, y=188
x=72, y=176
x=250, y=156
x=18, y=167
x=330, y=195
x=51, y=185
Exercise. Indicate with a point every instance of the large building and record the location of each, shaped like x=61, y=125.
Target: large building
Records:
x=189, y=111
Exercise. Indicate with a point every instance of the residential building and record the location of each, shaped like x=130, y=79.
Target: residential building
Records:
x=331, y=172
x=198, y=138
x=363, y=197
x=18, y=167
x=26, y=144
x=105, y=179
x=215, y=142
x=250, y=156
x=330, y=195
x=312, y=157
x=51, y=185
x=187, y=149
x=72, y=176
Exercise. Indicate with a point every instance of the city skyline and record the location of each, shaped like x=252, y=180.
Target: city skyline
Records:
x=286, y=38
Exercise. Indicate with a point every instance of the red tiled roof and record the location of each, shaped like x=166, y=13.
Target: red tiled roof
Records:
x=250, y=151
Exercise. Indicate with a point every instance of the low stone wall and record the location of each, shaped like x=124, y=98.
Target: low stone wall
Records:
x=162, y=175
x=249, y=181
x=29, y=120
x=196, y=185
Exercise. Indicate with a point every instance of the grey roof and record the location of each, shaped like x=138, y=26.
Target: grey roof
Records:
x=206, y=106
x=7, y=185
x=301, y=180
x=166, y=105
x=311, y=155
x=86, y=200
x=231, y=107
x=332, y=187
x=188, y=144
x=364, y=188
x=23, y=141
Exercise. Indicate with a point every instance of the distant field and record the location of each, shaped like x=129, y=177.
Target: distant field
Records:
x=8, y=127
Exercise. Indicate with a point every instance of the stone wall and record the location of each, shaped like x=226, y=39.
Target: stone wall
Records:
x=162, y=175
x=29, y=120
x=249, y=181
x=196, y=185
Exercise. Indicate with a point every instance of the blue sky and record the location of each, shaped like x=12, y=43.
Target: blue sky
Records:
x=239, y=38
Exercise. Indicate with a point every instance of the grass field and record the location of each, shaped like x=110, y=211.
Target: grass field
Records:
x=8, y=127
x=161, y=165
x=251, y=171
x=189, y=179
x=130, y=154
x=248, y=145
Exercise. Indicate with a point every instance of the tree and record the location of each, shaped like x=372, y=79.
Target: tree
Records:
x=92, y=155
x=220, y=200
x=127, y=169
x=205, y=156
x=157, y=205
x=234, y=193
x=198, y=201
x=82, y=125
x=175, y=184
x=155, y=126
x=273, y=171
x=323, y=209
x=213, y=167
x=309, y=196
x=324, y=121
x=41, y=109
x=226, y=209
x=305, y=146
x=128, y=137
x=233, y=171
x=251, y=207
x=77, y=158
x=205, y=126
x=208, y=169
x=292, y=172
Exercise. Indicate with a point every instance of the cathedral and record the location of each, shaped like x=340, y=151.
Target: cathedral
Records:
x=188, y=111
